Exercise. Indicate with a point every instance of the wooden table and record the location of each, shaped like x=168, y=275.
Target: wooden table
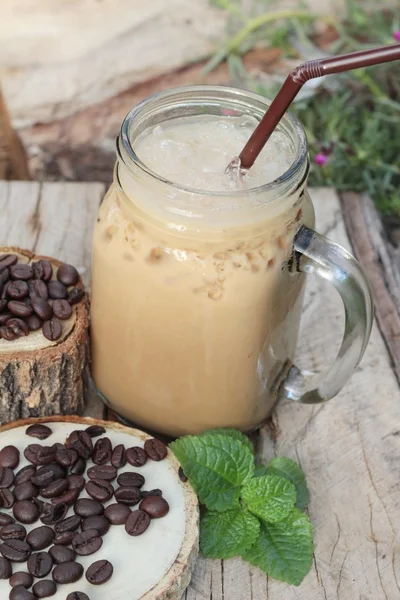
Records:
x=349, y=448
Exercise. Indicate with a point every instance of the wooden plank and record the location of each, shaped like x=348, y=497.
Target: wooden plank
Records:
x=348, y=449
x=54, y=219
x=383, y=268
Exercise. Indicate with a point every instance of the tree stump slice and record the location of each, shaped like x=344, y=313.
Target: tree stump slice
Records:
x=41, y=378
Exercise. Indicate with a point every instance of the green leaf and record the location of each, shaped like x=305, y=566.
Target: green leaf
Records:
x=284, y=550
x=233, y=433
x=269, y=497
x=228, y=534
x=260, y=470
x=217, y=466
x=287, y=468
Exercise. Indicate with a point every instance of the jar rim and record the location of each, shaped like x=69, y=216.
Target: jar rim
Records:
x=238, y=95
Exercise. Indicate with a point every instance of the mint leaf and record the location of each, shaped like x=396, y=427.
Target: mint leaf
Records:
x=260, y=470
x=233, y=433
x=217, y=466
x=228, y=534
x=284, y=550
x=287, y=468
x=269, y=497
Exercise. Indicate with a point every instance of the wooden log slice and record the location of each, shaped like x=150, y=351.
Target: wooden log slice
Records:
x=156, y=565
x=39, y=377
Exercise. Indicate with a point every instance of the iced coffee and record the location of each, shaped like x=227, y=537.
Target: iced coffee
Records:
x=195, y=309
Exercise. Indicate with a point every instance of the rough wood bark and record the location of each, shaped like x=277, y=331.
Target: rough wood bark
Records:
x=372, y=250
x=46, y=381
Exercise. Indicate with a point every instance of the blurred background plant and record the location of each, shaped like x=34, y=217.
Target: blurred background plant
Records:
x=352, y=120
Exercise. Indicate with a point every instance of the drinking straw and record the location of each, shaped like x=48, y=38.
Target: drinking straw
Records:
x=292, y=85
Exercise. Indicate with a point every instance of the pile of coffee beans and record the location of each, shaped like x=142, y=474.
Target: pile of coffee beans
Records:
x=30, y=299
x=52, y=483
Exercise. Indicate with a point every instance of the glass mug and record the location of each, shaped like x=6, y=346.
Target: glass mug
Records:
x=195, y=311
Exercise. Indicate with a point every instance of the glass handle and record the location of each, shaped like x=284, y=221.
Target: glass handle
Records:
x=314, y=253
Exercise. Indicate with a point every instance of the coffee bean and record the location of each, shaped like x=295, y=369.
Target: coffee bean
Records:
x=146, y=493
x=79, y=467
x=40, y=564
x=155, y=506
x=137, y=522
x=15, y=550
x=62, y=554
x=66, y=457
x=39, y=431
x=42, y=308
x=4, y=288
x=127, y=495
x=118, y=459
x=37, y=288
x=136, y=456
x=86, y=507
x=129, y=479
x=31, y=453
x=21, y=593
x=18, y=326
x=62, y=309
x=33, y=322
x=52, y=513
x=13, y=531
x=95, y=430
x=77, y=596
x=57, y=290
x=98, y=522
x=102, y=451
x=42, y=269
x=7, y=260
x=67, y=572
x=40, y=537
x=81, y=442
x=64, y=539
x=6, y=333
x=6, y=477
x=17, y=290
x=69, y=524
x=57, y=446
x=21, y=271
x=21, y=578
x=56, y=488
x=5, y=568
x=26, y=511
x=68, y=497
x=117, y=513
x=99, y=489
x=4, y=276
x=9, y=457
x=6, y=498
x=182, y=475
x=76, y=482
x=44, y=589
x=155, y=449
x=19, y=309
x=25, y=491
x=6, y=519
x=99, y=572
x=48, y=474
x=75, y=295
x=87, y=542
x=52, y=330
x=4, y=317
x=106, y=472
x=68, y=275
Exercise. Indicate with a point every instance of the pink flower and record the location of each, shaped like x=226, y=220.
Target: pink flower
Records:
x=321, y=159
x=396, y=36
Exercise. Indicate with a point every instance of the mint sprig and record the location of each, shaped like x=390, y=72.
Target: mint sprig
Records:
x=217, y=466
x=251, y=511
